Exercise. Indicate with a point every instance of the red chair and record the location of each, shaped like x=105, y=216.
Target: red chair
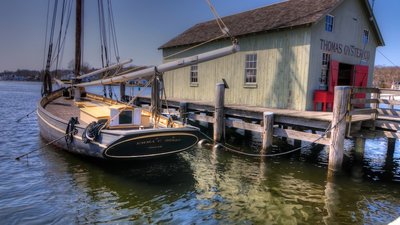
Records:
x=323, y=97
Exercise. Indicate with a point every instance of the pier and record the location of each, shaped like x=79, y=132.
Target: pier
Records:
x=358, y=114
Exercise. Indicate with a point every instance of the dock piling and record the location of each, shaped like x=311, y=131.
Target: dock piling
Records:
x=219, y=119
x=183, y=111
x=268, y=130
x=122, y=91
x=340, y=106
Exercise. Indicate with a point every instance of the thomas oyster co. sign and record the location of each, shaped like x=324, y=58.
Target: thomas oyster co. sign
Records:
x=348, y=50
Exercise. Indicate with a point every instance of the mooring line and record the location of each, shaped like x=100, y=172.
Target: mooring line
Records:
x=27, y=115
x=230, y=148
x=49, y=143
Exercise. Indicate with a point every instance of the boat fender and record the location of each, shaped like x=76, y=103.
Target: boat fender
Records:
x=203, y=143
x=92, y=131
x=71, y=130
x=218, y=146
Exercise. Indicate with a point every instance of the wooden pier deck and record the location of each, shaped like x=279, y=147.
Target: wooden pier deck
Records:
x=352, y=117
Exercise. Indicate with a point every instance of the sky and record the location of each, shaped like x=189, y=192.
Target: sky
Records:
x=142, y=26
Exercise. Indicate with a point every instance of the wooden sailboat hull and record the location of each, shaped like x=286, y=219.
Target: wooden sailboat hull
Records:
x=115, y=144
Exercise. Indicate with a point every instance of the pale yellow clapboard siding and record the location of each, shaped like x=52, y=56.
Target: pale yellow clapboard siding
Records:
x=282, y=71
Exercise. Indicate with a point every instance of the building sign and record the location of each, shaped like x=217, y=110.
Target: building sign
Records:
x=349, y=50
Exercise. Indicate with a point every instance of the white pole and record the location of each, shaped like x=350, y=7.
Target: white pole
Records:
x=166, y=66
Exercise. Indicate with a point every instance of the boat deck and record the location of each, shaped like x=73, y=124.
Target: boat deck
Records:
x=66, y=108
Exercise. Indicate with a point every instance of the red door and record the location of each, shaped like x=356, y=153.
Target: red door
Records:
x=334, y=75
x=360, y=78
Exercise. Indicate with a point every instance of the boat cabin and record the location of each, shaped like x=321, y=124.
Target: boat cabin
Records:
x=117, y=115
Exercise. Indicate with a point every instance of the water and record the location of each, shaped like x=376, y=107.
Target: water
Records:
x=196, y=187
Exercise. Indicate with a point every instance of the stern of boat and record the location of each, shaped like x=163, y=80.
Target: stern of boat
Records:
x=153, y=143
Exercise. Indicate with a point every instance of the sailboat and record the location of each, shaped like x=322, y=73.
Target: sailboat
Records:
x=92, y=125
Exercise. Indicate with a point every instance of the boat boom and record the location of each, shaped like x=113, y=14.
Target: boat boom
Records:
x=105, y=69
x=207, y=56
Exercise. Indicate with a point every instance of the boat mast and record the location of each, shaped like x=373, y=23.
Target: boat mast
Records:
x=78, y=31
x=78, y=91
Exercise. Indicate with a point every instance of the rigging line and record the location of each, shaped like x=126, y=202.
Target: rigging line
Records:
x=113, y=30
x=196, y=46
x=59, y=36
x=224, y=29
x=132, y=100
x=60, y=52
x=214, y=12
x=387, y=58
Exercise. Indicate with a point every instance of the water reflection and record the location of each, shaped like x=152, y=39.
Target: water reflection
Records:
x=120, y=191
x=197, y=187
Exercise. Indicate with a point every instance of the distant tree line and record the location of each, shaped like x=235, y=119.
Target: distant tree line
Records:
x=64, y=74
x=384, y=76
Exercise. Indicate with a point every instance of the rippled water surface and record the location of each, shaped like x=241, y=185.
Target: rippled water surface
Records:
x=200, y=186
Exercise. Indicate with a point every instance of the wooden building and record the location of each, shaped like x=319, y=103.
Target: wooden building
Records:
x=292, y=53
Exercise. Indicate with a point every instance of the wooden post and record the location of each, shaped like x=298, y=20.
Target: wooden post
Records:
x=359, y=148
x=122, y=92
x=391, y=144
x=219, y=118
x=336, y=148
x=268, y=118
x=183, y=111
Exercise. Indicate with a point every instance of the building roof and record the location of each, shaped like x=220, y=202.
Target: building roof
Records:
x=287, y=14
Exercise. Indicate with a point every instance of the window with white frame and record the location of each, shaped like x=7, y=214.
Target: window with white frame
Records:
x=194, y=78
x=250, y=71
x=329, y=22
x=365, y=36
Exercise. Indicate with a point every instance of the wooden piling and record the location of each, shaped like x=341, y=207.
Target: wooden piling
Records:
x=391, y=144
x=183, y=111
x=336, y=148
x=359, y=148
x=219, y=120
x=268, y=130
x=122, y=91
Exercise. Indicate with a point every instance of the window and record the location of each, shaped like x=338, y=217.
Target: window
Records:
x=250, y=71
x=125, y=117
x=326, y=58
x=194, y=75
x=329, y=23
x=365, y=36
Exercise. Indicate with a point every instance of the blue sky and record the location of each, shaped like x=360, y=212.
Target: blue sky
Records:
x=143, y=26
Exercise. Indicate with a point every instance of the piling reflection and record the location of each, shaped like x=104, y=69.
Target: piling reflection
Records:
x=248, y=191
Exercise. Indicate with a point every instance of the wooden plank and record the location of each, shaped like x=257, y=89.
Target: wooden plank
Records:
x=362, y=111
x=299, y=135
x=243, y=125
x=356, y=90
x=376, y=134
x=389, y=125
x=318, y=124
x=363, y=101
x=390, y=91
x=389, y=112
x=202, y=118
x=389, y=102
